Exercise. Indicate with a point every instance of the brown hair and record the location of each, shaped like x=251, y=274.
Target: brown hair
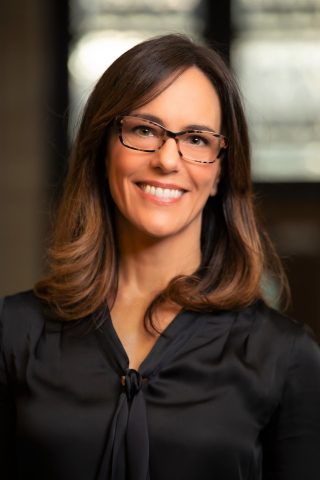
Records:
x=84, y=257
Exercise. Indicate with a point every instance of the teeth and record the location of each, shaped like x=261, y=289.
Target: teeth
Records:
x=160, y=192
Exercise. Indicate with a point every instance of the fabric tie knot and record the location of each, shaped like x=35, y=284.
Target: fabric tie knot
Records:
x=129, y=447
x=126, y=456
x=132, y=382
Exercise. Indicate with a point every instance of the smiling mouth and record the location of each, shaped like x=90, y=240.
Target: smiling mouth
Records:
x=160, y=192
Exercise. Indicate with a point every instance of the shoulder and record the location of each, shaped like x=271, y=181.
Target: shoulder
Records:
x=283, y=354
x=22, y=306
x=267, y=318
x=22, y=319
x=274, y=335
x=270, y=324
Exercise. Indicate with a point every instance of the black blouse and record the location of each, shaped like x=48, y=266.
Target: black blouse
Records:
x=229, y=396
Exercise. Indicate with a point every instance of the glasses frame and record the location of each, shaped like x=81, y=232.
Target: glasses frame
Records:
x=118, y=122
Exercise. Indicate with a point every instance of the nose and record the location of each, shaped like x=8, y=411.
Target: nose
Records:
x=167, y=157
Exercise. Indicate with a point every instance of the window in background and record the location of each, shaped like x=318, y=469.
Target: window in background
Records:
x=104, y=29
x=276, y=56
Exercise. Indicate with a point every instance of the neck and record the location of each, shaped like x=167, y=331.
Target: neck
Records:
x=147, y=264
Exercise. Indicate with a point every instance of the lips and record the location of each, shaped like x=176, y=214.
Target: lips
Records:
x=161, y=192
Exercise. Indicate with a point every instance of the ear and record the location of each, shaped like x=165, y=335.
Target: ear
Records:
x=214, y=187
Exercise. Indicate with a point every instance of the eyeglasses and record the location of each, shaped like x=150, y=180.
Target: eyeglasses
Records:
x=146, y=136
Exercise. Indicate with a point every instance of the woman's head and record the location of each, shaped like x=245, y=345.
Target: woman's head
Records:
x=151, y=79
x=142, y=73
x=139, y=179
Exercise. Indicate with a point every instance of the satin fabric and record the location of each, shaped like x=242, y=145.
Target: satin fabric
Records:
x=229, y=395
x=128, y=447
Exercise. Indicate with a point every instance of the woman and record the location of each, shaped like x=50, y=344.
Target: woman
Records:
x=192, y=376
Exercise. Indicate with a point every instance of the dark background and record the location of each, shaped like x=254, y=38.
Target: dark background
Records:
x=34, y=38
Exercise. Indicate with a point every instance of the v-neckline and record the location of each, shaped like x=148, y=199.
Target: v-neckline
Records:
x=120, y=345
x=181, y=330
x=129, y=428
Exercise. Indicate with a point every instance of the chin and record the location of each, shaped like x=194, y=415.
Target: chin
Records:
x=158, y=231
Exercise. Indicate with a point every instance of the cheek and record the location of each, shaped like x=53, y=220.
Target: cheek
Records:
x=207, y=178
x=118, y=169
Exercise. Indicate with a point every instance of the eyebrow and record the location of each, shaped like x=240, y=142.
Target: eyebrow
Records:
x=153, y=118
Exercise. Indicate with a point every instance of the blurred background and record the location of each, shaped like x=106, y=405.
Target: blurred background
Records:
x=53, y=52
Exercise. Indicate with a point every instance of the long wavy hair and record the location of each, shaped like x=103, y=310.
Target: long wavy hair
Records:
x=83, y=257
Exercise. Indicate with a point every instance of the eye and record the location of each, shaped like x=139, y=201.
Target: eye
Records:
x=143, y=131
x=197, y=140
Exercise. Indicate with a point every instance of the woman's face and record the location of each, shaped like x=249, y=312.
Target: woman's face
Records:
x=190, y=100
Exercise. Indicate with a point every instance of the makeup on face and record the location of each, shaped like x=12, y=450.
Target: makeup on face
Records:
x=159, y=192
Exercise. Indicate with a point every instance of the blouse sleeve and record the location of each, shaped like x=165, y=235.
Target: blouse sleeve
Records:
x=292, y=439
x=7, y=417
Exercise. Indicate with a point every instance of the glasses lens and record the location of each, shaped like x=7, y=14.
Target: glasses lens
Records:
x=140, y=133
x=202, y=146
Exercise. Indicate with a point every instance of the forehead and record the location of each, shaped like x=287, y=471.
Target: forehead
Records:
x=191, y=99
